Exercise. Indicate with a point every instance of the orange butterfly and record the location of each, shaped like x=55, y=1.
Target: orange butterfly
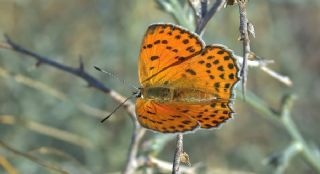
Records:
x=185, y=84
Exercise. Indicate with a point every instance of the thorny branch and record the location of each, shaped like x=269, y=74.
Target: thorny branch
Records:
x=79, y=71
x=92, y=82
x=262, y=64
x=244, y=35
x=132, y=164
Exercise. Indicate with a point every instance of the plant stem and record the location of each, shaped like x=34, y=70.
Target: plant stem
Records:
x=179, y=149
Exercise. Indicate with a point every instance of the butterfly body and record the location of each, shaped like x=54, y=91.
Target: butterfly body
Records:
x=164, y=94
x=185, y=84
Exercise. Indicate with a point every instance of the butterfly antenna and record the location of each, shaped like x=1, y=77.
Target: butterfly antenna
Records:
x=115, y=77
x=121, y=104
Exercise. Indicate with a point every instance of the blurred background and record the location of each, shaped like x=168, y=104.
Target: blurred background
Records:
x=54, y=116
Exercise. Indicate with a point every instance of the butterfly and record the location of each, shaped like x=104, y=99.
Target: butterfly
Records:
x=185, y=85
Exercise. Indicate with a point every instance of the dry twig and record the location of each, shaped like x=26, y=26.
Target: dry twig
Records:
x=177, y=154
x=262, y=64
x=244, y=35
x=166, y=166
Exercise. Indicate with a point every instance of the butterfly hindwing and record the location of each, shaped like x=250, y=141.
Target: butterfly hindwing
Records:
x=179, y=117
x=211, y=114
x=163, y=117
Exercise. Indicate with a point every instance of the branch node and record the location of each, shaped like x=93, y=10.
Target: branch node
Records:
x=287, y=103
x=38, y=63
x=251, y=29
x=184, y=157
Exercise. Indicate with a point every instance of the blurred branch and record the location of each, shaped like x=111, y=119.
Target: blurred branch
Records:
x=156, y=143
x=45, y=164
x=165, y=166
x=307, y=151
x=7, y=166
x=59, y=153
x=38, y=85
x=92, y=82
x=282, y=160
x=33, y=84
x=284, y=119
x=202, y=15
x=47, y=130
x=284, y=79
x=45, y=150
x=132, y=162
x=244, y=36
x=262, y=64
x=176, y=10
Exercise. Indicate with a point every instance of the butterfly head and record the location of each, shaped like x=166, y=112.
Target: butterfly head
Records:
x=138, y=93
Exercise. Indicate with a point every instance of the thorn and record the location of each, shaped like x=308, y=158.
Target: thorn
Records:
x=38, y=63
x=106, y=118
x=239, y=38
x=97, y=68
x=251, y=30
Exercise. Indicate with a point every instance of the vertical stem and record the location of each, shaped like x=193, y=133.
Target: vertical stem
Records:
x=131, y=163
x=245, y=42
x=179, y=149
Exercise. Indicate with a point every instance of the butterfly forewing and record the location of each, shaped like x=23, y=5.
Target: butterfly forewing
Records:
x=165, y=46
x=214, y=71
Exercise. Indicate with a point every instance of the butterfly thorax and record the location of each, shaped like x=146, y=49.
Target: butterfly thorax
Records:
x=168, y=94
